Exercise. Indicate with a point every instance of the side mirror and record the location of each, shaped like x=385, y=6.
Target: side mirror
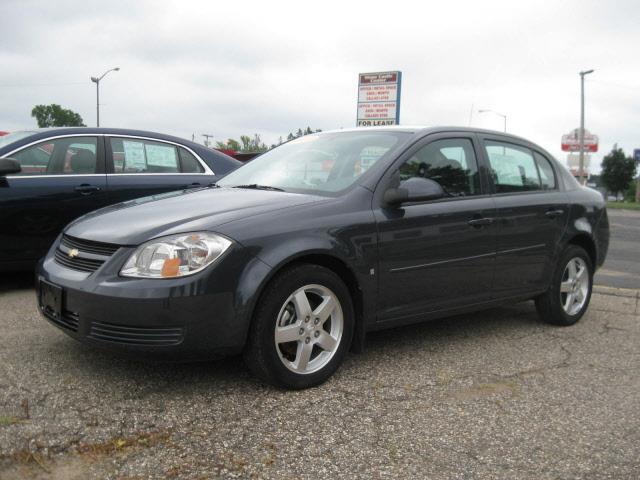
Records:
x=9, y=165
x=414, y=189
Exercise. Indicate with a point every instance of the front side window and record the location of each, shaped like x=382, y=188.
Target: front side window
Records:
x=322, y=163
x=450, y=162
x=62, y=156
x=513, y=168
x=143, y=156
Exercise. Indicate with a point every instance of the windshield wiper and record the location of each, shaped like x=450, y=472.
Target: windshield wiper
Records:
x=255, y=186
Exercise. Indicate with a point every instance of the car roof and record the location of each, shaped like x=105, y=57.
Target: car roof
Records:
x=46, y=132
x=424, y=130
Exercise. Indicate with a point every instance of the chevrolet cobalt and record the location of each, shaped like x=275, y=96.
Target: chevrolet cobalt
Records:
x=292, y=258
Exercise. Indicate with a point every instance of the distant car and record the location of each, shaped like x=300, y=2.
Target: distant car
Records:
x=50, y=177
x=300, y=252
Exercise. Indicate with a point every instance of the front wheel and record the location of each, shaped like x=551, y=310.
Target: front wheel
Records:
x=570, y=291
x=302, y=328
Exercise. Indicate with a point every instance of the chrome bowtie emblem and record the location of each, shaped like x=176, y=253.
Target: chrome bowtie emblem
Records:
x=73, y=253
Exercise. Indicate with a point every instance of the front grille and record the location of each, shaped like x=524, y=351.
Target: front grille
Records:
x=68, y=320
x=77, y=263
x=88, y=255
x=142, y=336
x=88, y=246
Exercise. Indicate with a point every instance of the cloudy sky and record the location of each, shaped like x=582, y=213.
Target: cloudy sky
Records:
x=238, y=67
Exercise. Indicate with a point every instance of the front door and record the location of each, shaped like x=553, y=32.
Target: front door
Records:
x=437, y=255
x=61, y=179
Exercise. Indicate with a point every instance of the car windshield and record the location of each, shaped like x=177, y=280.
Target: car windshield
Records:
x=325, y=163
x=14, y=137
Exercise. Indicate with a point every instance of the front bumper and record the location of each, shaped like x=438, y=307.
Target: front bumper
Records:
x=195, y=317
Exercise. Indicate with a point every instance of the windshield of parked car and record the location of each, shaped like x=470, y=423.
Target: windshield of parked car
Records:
x=13, y=137
x=318, y=163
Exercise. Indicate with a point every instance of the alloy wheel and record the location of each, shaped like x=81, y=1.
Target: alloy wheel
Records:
x=309, y=329
x=574, y=286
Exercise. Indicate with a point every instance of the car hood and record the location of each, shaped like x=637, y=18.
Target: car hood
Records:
x=136, y=221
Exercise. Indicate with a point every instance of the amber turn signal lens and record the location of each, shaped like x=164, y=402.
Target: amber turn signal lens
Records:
x=171, y=267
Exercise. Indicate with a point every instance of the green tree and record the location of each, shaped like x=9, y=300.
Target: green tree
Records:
x=246, y=144
x=300, y=133
x=618, y=171
x=230, y=144
x=55, y=116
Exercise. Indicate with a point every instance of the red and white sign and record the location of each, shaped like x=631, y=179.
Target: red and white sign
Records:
x=571, y=141
x=379, y=98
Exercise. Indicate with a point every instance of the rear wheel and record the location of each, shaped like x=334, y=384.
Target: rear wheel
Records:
x=302, y=328
x=570, y=291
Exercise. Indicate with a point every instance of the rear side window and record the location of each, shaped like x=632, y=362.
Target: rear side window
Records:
x=513, y=168
x=189, y=163
x=547, y=176
x=144, y=156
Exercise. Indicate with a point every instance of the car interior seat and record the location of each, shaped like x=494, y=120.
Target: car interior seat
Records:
x=84, y=161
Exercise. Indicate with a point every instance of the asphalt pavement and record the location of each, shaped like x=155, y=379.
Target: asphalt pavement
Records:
x=622, y=266
x=492, y=395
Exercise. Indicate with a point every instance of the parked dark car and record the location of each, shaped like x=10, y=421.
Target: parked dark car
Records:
x=49, y=177
x=295, y=256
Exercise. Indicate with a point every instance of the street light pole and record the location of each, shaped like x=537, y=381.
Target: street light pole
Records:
x=96, y=80
x=504, y=117
x=581, y=153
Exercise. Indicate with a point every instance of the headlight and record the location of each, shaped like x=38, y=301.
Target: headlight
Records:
x=175, y=256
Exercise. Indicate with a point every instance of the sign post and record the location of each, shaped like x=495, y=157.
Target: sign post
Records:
x=379, y=98
x=571, y=143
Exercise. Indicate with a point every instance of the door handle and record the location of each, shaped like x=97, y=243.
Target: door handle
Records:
x=86, y=189
x=553, y=213
x=192, y=185
x=480, y=222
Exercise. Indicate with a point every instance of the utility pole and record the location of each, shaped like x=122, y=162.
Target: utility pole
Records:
x=581, y=152
x=96, y=80
x=207, y=136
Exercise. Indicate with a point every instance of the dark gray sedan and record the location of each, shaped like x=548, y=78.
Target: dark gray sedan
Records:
x=294, y=257
x=49, y=177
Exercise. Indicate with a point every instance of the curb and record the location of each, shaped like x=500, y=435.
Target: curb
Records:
x=616, y=292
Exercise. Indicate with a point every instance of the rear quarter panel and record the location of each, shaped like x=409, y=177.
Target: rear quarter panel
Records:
x=588, y=216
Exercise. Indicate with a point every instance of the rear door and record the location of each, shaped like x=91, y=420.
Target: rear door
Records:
x=532, y=213
x=61, y=179
x=137, y=167
x=437, y=255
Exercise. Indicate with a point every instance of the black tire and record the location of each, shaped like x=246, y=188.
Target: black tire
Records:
x=263, y=357
x=549, y=304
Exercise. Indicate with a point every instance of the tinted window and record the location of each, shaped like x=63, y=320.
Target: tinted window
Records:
x=450, y=162
x=512, y=167
x=73, y=155
x=189, y=163
x=547, y=176
x=143, y=156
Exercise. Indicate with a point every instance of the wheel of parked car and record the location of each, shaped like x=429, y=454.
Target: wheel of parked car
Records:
x=302, y=328
x=568, y=296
